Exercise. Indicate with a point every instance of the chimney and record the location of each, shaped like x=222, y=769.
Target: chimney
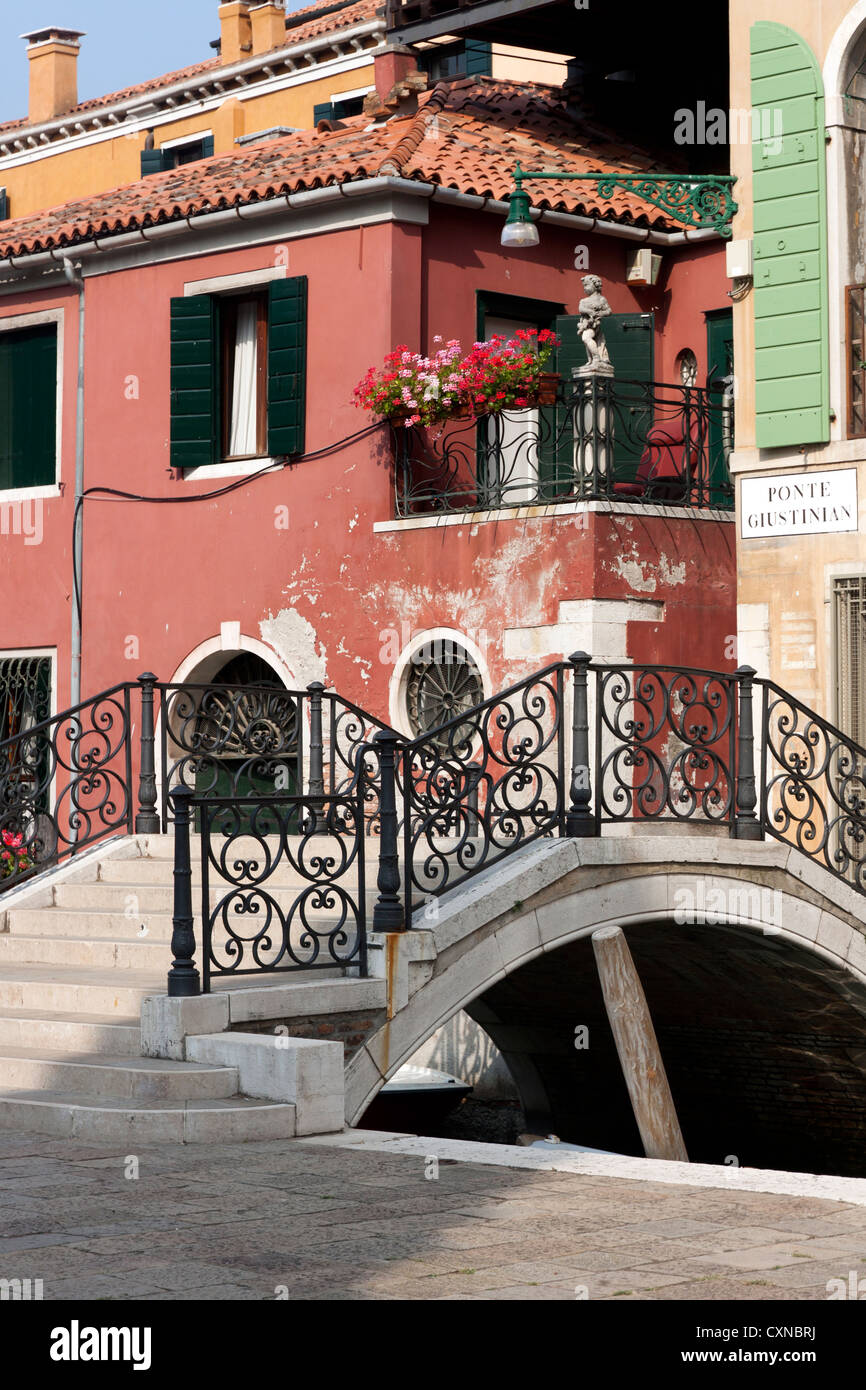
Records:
x=391, y=66
x=269, y=27
x=53, y=54
x=236, y=34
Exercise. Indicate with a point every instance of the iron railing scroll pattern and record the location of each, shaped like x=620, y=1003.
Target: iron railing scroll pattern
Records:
x=282, y=885
x=487, y=782
x=813, y=786
x=664, y=744
x=67, y=782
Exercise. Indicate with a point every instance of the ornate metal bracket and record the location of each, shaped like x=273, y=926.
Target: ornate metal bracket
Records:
x=694, y=200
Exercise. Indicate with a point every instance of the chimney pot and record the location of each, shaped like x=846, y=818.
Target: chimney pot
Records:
x=269, y=26
x=53, y=54
x=236, y=33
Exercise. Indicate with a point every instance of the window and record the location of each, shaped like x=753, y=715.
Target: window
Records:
x=172, y=156
x=28, y=406
x=687, y=368
x=850, y=612
x=338, y=110
x=25, y=693
x=243, y=330
x=442, y=682
x=469, y=58
x=855, y=297
x=238, y=374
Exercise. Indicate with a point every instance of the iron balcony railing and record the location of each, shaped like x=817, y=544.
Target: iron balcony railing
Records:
x=623, y=441
x=288, y=871
x=108, y=765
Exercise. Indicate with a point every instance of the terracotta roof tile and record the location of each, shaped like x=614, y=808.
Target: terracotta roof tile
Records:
x=467, y=135
x=312, y=29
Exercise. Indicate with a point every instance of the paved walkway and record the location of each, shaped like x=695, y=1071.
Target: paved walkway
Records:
x=312, y=1220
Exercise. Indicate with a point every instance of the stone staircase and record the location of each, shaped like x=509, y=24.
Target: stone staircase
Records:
x=81, y=948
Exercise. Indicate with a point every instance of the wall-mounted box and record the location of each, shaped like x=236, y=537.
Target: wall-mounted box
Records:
x=738, y=259
x=642, y=266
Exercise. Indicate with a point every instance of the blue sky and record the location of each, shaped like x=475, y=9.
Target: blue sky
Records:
x=126, y=42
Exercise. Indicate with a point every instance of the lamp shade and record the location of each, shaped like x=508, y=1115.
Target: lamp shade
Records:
x=519, y=230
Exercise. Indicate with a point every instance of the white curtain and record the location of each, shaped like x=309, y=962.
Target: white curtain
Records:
x=243, y=437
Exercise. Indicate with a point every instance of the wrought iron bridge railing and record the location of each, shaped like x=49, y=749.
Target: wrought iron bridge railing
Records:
x=623, y=441
x=322, y=819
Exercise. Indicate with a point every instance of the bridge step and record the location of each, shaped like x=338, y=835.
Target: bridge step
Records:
x=116, y=1121
x=56, y=1032
x=67, y=950
x=113, y=993
x=118, y=1078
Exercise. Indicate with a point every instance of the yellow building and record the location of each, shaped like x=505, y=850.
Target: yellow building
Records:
x=273, y=72
x=798, y=77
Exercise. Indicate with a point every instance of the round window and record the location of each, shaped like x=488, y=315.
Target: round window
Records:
x=687, y=368
x=442, y=683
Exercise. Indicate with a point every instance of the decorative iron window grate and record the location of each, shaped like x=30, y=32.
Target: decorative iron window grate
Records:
x=25, y=693
x=850, y=606
x=442, y=683
x=856, y=346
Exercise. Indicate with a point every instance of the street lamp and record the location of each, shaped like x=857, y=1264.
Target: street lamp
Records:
x=697, y=201
x=519, y=230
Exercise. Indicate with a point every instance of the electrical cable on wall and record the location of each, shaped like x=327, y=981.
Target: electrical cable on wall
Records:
x=117, y=494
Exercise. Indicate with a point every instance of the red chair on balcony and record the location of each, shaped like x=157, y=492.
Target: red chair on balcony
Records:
x=667, y=469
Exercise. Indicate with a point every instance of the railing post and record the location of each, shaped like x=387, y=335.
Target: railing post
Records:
x=580, y=821
x=388, y=912
x=316, y=785
x=183, y=978
x=746, y=823
x=147, y=820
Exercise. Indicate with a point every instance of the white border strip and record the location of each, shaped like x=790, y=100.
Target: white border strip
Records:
x=831, y=1189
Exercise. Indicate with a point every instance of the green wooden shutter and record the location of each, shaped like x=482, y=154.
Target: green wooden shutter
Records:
x=28, y=407
x=324, y=111
x=287, y=365
x=792, y=392
x=556, y=455
x=194, y=378
x=4, y=204
x=207, y=146
x=151, y=162
x=479, y=58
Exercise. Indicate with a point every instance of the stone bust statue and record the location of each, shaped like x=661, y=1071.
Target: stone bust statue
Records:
x=592, y=311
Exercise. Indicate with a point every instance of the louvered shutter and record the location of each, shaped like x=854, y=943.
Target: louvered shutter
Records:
x=152, y=162
x=323, y=111
x=194, y=395
x=287, y=366
x=28, y=407
x=207, y=146
x=792, y=395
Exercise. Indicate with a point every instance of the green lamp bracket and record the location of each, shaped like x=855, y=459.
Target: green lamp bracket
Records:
x=698, y=201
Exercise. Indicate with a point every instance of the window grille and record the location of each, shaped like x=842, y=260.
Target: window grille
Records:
x=850, y=605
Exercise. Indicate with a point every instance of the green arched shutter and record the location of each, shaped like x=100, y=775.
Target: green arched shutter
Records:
x=792, y=393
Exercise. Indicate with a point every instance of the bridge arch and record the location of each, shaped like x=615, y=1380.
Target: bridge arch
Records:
x=785, y=941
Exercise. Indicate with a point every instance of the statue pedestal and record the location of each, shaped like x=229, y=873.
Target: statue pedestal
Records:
x=593, y=426
x=591, y=369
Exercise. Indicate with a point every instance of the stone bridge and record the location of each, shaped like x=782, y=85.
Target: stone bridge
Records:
x=750, y=951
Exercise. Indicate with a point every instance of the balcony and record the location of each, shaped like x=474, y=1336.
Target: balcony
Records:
x=620, y=441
